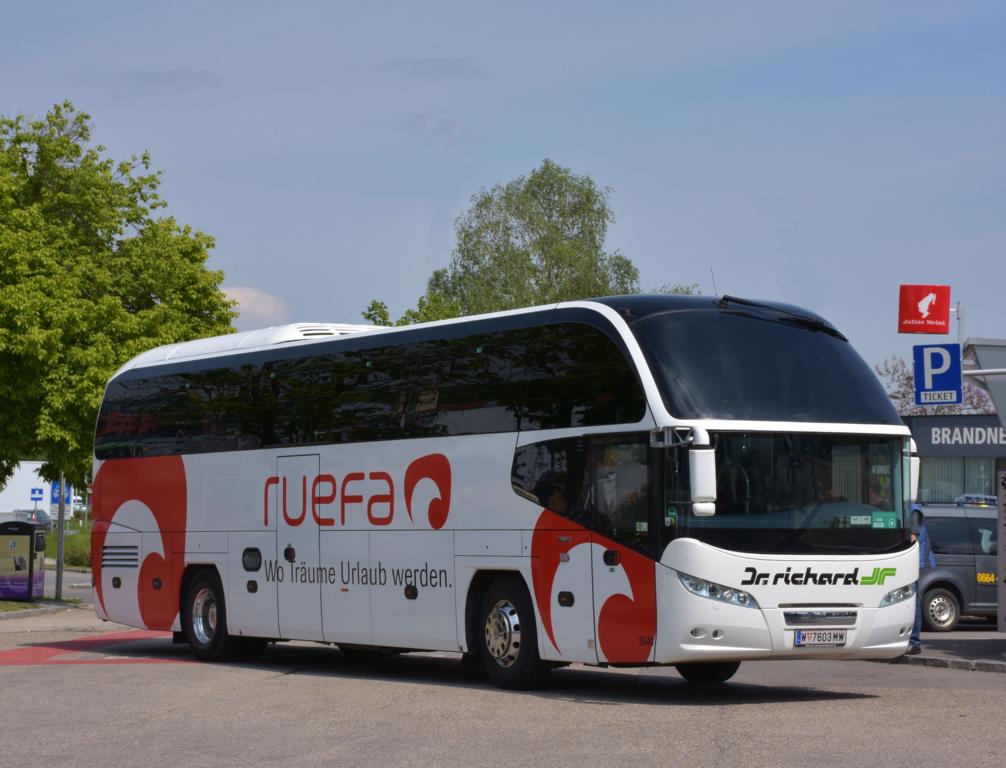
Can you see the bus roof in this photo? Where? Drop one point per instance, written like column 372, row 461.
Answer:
column 246, row 340
column 631, row 308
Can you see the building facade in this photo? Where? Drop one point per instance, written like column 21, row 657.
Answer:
column 960, row 456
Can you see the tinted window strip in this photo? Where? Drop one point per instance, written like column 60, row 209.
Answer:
column 429, row 383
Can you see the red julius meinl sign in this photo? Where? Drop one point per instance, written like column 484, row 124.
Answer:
column 924, row 309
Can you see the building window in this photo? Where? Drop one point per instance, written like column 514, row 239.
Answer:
column 943, row 478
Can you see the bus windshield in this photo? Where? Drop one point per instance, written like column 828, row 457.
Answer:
column 758, row 364
column 787, row 493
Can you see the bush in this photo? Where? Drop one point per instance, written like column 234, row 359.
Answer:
column 76, row 548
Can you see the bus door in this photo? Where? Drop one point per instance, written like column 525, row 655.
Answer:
column 297, row 544
column 617, row 495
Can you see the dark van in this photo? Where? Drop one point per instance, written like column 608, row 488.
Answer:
column 964, row 579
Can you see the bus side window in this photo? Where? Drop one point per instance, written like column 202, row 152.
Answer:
column 600, row 482
column 677, row 499
column 616, row 489
column 549, row 473
column 580, row 378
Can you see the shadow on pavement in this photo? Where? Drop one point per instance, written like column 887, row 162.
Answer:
column 579, row 684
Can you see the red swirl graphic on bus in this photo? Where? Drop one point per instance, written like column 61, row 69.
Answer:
column 626, row 625
column 158, row 483
column 548, row 546
column 437, row 468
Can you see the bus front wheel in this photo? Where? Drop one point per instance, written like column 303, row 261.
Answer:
column 508, row 636
column 707, row 672
column 204, row 619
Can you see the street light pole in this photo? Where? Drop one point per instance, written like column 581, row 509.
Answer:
column 59, row 536
column 957, row 313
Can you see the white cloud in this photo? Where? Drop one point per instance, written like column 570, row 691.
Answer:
column 257, row 309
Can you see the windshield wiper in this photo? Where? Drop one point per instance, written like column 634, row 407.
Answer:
column 787, row 317
column 834, row 547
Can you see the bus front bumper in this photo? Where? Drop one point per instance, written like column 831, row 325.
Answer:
column 693, row 628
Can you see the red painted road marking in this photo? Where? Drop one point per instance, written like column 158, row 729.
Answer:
column 52, row 653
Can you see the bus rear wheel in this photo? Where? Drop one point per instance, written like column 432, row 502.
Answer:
column 708, row 672
column 508, row 636
column 204, row 619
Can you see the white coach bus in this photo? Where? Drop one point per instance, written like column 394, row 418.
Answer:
column 638, row 480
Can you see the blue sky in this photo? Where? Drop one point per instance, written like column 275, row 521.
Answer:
column 814, row 153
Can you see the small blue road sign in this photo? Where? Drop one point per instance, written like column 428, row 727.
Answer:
column 937, row 370
column 37, row 494
column 54, row 499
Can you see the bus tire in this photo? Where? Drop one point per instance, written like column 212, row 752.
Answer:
column 707, row 672
column 471, row 664
column 508, row 636
column 204, row 619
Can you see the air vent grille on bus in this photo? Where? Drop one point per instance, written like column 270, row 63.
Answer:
column 307, row 331
column 300, row 331
column 120, row 556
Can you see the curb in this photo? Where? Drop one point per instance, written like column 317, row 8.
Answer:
column 969, row 665
column 39, row 611
column 50, row 565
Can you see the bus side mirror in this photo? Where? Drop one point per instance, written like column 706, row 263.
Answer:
column 913, row 469
column 702, row 474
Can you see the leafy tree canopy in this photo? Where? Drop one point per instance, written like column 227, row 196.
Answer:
column 538, row 239
column 88, row 278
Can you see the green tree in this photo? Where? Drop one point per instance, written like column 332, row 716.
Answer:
column 678, row 289
column 535, row 240
column 89, row 277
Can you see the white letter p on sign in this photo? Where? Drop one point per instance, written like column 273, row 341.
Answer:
column 931, row 367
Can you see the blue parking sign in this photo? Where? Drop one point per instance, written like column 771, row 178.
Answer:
column 937, row 371
column 54, row 498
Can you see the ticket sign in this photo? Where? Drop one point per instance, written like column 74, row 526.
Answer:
column 924, row 309
column 937, row 371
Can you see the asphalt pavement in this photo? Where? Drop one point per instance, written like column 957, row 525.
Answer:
column 84, row 692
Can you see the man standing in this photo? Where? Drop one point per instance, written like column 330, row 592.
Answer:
column 926, row 560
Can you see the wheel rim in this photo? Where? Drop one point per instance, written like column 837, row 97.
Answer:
column 204, row 616
column 941, row 611
column 503, row 633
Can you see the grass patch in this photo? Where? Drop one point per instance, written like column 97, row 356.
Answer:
column 76, row 547
column 6, row 606
column 54, row 601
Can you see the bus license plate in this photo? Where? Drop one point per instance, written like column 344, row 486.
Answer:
column 805, row 637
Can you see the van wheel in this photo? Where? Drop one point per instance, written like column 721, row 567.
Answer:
column 940, row 610
column 707, row 672
column 204, row 619
column 509, row 636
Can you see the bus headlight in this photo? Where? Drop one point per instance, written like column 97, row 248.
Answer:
column 713, row 591
column 898, row 595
